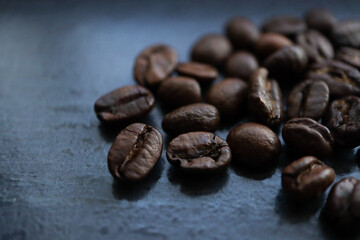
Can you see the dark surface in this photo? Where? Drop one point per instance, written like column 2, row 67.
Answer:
column 55, row 61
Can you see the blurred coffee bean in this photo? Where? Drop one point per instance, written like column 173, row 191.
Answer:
column 179, row 91
column 308, row 99
column 321, row 20
column 211, row 49
column 285, row 25
column 193, row 117
column 264, row 99
column 268, row 43
column 124, row 105
column 199, row 152
column 254, row 145
column 341, row 78
column 343, row 120
column 229, row 97
column 316, row 46
column 241, row 65
column 242, row 32
column 306, row 178
column 350, row 56
column 203, row 73
column 346, row 33
column 305, row 136
column 154, row 64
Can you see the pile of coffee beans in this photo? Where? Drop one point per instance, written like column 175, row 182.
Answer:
column 302, row 74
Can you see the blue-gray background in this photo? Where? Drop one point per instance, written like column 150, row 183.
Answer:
column 56, row 59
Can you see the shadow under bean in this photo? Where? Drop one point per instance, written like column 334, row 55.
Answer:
column 255, row 174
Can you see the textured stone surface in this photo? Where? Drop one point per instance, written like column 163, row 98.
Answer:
column 55, row 61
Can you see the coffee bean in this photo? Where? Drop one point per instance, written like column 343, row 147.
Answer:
column 341, row 78
column 154, row 64
column 347, row 33
column 306, row 178
column 308, row 137
column 343, row 203
column 254, row 145
column 229, row 96
column 241, row 65
column 308, row 99
column 199, row 152
column 203, row 73
column 321, row 20
column 211, row 49
column 343, row 120
column 288, row 61
column 124, row 105
column 268, row 43
column 179, row 91
column 350, row 56
column 134, row 152
column 285, row 25
column 265, row 100
column 242, row 32
column 316, row 46
column 193, row 117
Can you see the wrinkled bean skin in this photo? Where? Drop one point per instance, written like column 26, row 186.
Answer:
column 265, row 100
column 134, row 152
column 306, row 178
column 321, row 20
column 346, row 33
column 154, row 64
column 342, row 79
column 229, row 97
column 242, row 32
column 349, row 56
column 343, row 203
column 308, row 137
column 199, row 152
column 285, row 25
column 254, row 145
column 203, row 73
column 317, row 47
column 193, row 117
column 308, row 99
column 343, row 120
column 269, row 43
column 241, row 65
column 124, row 105
column 179, row 91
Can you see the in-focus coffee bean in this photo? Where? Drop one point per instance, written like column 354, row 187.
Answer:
column 242, row 32
column 346, row 33
column 203, row 73
column 124, row 105
column 268, row 43
column 321, row 20
column 285, row 25
column 154, row 64
column 306, row 178
column 349, row 55
column 254, row 145
column 193, row 117
column 305, row 136
column 264, row 99
column 134, row 152
column 241, row 65
column 199, row 152
column 308, row 99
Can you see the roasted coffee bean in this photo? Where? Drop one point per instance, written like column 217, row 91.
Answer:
column 308, row 99
column 287, row 61
column 199, row 152
column 254, row 145
column 343, row 120
column 316, row 46
column 341, row 78
column 285, row 25
column 306, row 178
column 211, row 49
column 229, row 97
column 242, row 32
column 124, row 105
column 321, row 20
column 347, row 33
column 203, row 73
column 179, row 91
column 350, row 56
column 134, row 152
column 154, row 64
column 343, row 203
column 308, row 137
column 241, row 65
column 264, row 99
column 268, row 43
column 193, row 117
